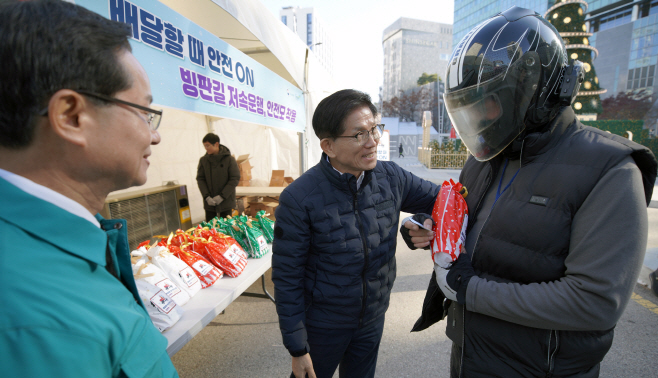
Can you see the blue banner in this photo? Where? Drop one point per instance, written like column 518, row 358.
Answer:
column 192, row 69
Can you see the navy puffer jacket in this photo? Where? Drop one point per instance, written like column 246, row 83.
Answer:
column 333, row 263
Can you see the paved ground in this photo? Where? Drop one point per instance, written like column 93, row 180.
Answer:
column 245, row 342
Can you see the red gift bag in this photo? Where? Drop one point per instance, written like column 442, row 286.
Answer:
column 218, row 252
column 208, row 273
column 450, row 215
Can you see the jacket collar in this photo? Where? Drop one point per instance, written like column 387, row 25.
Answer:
column 538, row 143
column 345, row 182
column 45, row 221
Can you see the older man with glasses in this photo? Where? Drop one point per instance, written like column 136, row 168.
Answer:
column 75, row 125
column 334, row 242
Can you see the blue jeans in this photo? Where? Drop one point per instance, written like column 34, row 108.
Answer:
column 353, row 351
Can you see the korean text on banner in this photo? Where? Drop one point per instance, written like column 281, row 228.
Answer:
column 194, row 70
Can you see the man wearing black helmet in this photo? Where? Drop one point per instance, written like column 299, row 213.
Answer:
column 557, row 221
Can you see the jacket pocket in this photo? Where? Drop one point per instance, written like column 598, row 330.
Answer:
column 146, row 357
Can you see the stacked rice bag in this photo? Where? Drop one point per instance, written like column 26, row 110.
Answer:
column 179, row 272
column 162, row 309
column 265, row 224
column 179, row 245
column 218, row 251
column 153, row 275
column 253, row 241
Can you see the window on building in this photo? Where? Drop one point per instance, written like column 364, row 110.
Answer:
column 641, row 77
column 309, row 30
column 610, row 21
column 649, row 9
column 284, row 19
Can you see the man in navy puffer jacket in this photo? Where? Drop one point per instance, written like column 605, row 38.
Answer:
column 333, row 263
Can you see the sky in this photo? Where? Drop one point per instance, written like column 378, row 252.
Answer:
column 357, row 27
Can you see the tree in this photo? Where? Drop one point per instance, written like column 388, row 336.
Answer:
column 425, row 79
column 408, row 106
column 626, row 106
column 569, row 19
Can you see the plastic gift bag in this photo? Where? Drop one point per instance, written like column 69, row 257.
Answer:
column 179, row 272
column 450, row 215
column 233, row 245
column 266, row 225
column 162, row 310
column 144, row 270
column 218, row 252
column 257, row 245
column 231, row 228
column 208, row 273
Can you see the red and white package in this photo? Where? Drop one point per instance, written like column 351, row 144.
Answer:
column 179, row 272
column 221, row 255
column 450, row 215
column 233, row 245
column 208, row 273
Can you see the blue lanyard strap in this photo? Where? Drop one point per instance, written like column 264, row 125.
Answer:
column 500, row 183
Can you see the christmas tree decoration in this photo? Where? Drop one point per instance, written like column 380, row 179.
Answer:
column 568, row 17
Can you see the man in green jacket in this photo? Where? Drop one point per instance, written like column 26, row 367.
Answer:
column 75, row 124
column 217, row 176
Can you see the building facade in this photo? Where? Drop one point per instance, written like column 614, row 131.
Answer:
column 626, row 37
column 624, row 34
column 411, row 48
column 469, row 13
column 311, row 30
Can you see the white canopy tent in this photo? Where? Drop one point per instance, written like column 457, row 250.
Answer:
column 248, row 26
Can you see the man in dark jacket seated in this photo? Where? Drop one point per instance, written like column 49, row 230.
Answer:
column 557, row 225
column 333, row 263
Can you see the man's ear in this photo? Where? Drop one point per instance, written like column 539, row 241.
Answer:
column 327, row 145
column 69, row 116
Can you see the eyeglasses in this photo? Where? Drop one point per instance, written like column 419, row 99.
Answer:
column 153, row 117
column 363, row 136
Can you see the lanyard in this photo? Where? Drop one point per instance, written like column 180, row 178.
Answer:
column 500, row 183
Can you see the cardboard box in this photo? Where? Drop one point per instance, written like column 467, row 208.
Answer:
column 269, row 208
column 268, row 199
column 244, row 183
column 245, row 168
column 287, row 181
column 277, row 178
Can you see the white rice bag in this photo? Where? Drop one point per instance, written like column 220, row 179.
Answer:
column 179, row 272
column 144, row 270
column 162, row 310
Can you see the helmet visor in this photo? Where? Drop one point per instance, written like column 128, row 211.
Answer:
column 488, row 116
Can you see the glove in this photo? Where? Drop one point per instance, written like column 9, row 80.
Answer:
column 218, row 199
column 420, row 218
column 210, row 201
column 453, row 281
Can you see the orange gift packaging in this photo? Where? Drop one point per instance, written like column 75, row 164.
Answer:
column 450, row 215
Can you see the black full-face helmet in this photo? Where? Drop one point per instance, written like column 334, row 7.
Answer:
column 503, row 77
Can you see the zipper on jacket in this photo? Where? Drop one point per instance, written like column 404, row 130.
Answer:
column 365, row 254
column 482, row 198
column 477, row 207
column 461, row 358
column 551, row 354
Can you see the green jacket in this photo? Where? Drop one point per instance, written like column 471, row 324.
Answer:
column 62, row 314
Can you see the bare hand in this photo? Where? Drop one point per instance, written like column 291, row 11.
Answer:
column 421, row 238
column 302, row 366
